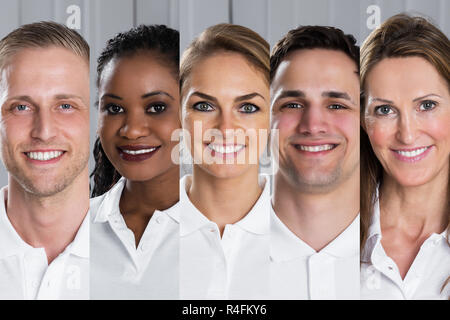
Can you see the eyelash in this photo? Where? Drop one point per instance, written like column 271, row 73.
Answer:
column 378, row 108
column 110, row 111
column 207, row 107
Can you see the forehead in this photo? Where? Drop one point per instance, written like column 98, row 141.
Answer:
column 137, row 70
column 316, row 68
column 43, row 69
column 404, row 77
column 226, row 72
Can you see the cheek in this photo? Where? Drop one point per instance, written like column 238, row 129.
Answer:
column 286, row 124
column 380, row 131
column 438, row 128
column 348, row 125
column 15, row 130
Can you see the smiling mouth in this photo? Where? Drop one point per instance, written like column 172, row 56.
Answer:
column 44, row 155
column 315, row 148
column 226, row 149
column 137, row 153
column 412, row 153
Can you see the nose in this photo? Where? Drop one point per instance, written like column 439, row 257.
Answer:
column 44, row 125
column 406, row 129
column 313, row 121
column 226, row 123
column 135, row 126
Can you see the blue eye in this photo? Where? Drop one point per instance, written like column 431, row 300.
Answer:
column 427, row 105
column 156, row 108
column 22, row 107
column 114, row 108
column 248, row 108
column 383, row 110
column 203, row 106
column 65, row 106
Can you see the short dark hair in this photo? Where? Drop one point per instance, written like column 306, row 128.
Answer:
column 313, row 37
column 163, row 41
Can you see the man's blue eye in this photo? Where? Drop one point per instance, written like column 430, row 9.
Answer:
column 66, row 106
column 22, row 107
column 203, row 106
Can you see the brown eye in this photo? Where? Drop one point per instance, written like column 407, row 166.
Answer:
column 157, row 108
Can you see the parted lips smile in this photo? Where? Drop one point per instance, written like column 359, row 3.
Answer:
column 136, row 152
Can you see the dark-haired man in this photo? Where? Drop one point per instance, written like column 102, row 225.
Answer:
column 44, row 135
column 315, row 224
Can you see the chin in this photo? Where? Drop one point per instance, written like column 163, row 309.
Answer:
column 225, row 171
column 413, row 179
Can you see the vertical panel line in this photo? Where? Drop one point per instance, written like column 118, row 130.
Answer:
column 230, row 11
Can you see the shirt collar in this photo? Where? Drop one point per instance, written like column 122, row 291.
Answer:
column 256, row 221
column 373, row 233
column 109, row 204
column 80, row 245
column 13, row 244
column 285, row 245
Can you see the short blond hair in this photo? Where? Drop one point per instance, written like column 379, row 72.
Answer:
column 42, row 35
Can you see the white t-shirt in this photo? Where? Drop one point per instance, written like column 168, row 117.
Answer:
column 235, row 266
column 380, row 277
column 299, row 272
column 119, row 270
column 24, row 270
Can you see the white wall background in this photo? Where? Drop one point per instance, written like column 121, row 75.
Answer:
column 102, row 19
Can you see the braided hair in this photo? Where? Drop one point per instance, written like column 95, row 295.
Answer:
column 158, row 39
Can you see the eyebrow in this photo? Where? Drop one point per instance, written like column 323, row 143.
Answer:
column 155, row 93
column 291, row 94
column 426, row 96
column 326, row 94
column 237, row 99
column 59, row 96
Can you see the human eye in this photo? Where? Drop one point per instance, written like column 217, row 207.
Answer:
column 336, row 106
column 112, row 109
column 203, row 106
column 21, row 108
column 248, row 108
column 291, row 106
column 427, row 105
column 384, row 110
column 65, row 106
column 156, row 108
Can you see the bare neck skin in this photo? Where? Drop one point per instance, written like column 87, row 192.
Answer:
column 140, row 199
column 224, row 200
column 51, row 222
column 409, row 215
column 317, row 218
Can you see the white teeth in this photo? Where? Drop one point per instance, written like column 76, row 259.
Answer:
column 226, row 149
column 411, row 154
column 319, row 148
column 134, row 152
column 44, row 156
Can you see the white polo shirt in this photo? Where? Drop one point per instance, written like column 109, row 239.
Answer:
column 235, row 266
column 380, row 277
column 24, row 270
column 119, row 270
column 299, row 272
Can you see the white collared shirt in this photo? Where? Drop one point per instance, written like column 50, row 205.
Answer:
column 119, row 270
column 299, row 272
column 380, row 277
column 235, row 266
column 24, row 270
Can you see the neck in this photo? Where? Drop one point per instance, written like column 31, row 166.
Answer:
column 142, row 198
column 316, row 218
column 417, row 209
column 50, row 222
column 224, row 200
